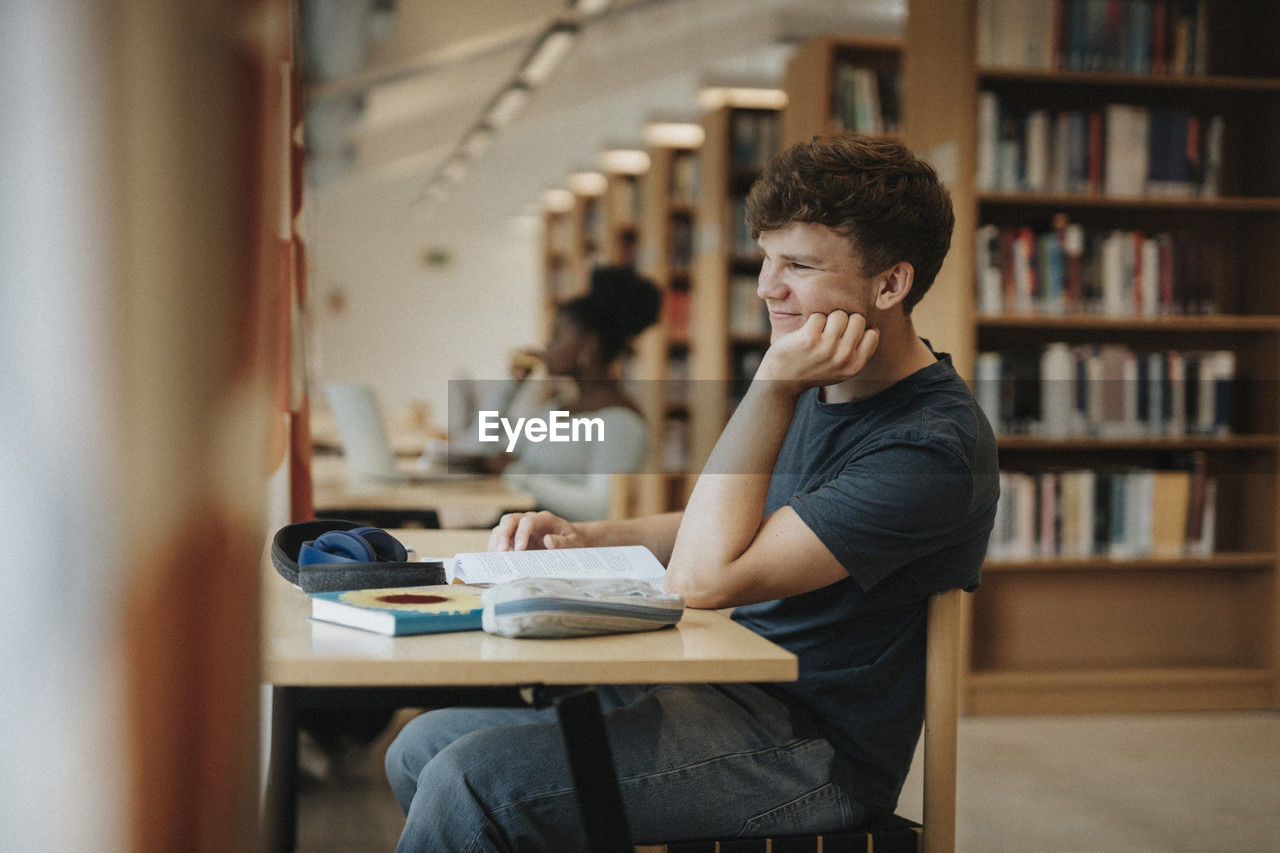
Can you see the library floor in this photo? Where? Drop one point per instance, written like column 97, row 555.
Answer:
column 1131, row 783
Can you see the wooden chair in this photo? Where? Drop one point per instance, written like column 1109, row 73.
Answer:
column 938, row 833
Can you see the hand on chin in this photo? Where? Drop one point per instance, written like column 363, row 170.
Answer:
column 820, row 349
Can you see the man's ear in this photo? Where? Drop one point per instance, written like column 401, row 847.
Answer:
column 893, row 285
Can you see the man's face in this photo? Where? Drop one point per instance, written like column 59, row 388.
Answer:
column 808, row 268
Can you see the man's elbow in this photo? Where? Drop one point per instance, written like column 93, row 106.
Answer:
column 696, row 592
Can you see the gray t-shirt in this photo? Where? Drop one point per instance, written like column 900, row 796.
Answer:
column 901, row 487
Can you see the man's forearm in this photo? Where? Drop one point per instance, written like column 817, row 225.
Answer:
column 726, row 507
column 655, row 532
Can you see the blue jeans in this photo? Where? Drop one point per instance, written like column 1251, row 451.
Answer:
column 693, row 761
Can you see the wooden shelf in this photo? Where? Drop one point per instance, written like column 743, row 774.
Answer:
column 1231, row 561
column 1089, row 634
column 1221, row 204
column 1103, row 80
column 717, row 224
column 1179, row 443
column 662, row 214
column 1100, row 323
column 756, row 341
column 812, row 85
column 1107, row 690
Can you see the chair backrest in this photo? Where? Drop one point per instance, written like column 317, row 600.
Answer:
column 941, row 706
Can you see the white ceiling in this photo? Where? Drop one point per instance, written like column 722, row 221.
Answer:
column 428, row 82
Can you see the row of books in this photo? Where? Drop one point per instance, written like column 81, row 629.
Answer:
column 674, row 317
column 744, row 245
column 675, row 446
column 1065, row 269
column 625, row 199
column 683, row 187
column 756, row 135
column 1121, row 150
column 681, row 241
column 1116, row 513
column 744, row 363
column 748, row 315
column 1106, row 390
column 592, row 222
column 1127, row 36
column 676, row 386
column 865, row 100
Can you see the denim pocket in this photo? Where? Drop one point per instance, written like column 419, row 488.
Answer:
column 823, row 809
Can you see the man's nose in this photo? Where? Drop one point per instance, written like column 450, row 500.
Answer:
column 769, row 285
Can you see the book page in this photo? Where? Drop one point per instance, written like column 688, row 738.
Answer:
column 631, row 561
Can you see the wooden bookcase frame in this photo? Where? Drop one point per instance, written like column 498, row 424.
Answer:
column 603, row 228
column 715, row 264
column 556, row 265
column 1052, row 635
column 811, row 83
column 661, row 490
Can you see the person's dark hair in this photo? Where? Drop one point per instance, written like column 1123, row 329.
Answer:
column 619, row 306
column 888, row 204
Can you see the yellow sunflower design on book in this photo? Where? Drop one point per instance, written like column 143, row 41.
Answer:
column 400, row 611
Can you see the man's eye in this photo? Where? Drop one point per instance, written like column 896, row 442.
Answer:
column 801, row 266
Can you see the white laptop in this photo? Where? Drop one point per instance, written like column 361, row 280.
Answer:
column 364, row 437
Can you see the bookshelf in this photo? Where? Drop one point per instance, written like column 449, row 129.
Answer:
column 732, row 329
column 557, row 241
column 1084, row 633
column 586, row 231
column 666, row 257
column 836, row 83
column 622, row 216
column 622, row 224
column 579, row 230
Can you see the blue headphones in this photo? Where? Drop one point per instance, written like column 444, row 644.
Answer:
column 361, row 545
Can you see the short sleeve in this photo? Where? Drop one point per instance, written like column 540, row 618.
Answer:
column 890, row 507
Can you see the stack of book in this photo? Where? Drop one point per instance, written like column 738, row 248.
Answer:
column 681, row 242
column 1106, row 390
column 865, row 100
column 1125, row 36
column 1120, row 150
column 675, row 315
column 744, row 245
column 1065, row 269
column 683, row 188
column 1119, row 513
column 624, row 200
column 675, row 446
column 756, row 136
column 748, row 316
column 677, row 384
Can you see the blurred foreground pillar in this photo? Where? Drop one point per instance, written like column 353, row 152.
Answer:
column 140, row 176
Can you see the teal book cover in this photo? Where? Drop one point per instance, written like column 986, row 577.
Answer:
column 401, row 611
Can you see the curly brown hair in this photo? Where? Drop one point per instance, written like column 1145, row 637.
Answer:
column 876, row 194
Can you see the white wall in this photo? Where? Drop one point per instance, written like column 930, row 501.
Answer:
column 407, row 327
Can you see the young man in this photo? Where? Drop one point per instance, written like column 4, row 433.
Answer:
column 856, row 478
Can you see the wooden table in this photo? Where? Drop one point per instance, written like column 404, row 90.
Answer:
column 458, row 501
column 472, row 667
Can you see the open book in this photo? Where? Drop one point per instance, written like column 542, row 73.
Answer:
column 628, row 561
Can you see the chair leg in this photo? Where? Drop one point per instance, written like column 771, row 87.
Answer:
column 942, row 686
